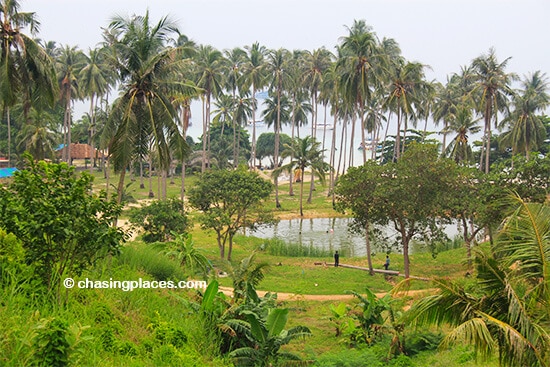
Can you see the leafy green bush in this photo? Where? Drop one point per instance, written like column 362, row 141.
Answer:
column 64, row 227
column 159, row 219
column 51, row 344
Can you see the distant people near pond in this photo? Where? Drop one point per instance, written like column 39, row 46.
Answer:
column 387, row 263
column 336, row 259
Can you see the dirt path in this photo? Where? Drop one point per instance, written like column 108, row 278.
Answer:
column 325, row 297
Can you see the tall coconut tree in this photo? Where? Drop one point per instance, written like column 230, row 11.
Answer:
column 304, row 153
column 526, row 128
column 146, row 66
column 492, row 86
column 27, row 74
column 314, row 65
column 69, row 64
column 255, row 77
column 297, row 92
column 95, row 80
column 183, row 97
column 235, row 84
column 464, row 125
column 406, row 87
column 277, row 61
column 209, row 66
column 358, row 60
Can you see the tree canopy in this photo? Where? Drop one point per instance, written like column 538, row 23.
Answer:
column 229, row 201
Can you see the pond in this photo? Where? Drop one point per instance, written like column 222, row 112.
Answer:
column 325, row 233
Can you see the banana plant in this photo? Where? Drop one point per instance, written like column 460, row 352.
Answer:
column 267, row 335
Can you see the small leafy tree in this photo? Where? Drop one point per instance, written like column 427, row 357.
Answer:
column 160, row 219
column 63, row 225
column 411, row 195
column 230, row 201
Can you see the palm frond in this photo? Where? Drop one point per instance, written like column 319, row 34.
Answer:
column 472, row 332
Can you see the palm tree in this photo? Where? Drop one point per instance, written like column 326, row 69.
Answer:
column 95, row 80
column 359, row 59
column 304, row 153
column 277, row 68
column 507, row 311
column 223, row 114
column 464, row 125
column 144, row 110
column 407, row 84
column 527, row 130
column 182, row 98
column 314, row 65
column 492, row 86
column 69, row 64
column 209, row 69
column 37, row 136
column 254, row 73
column 26, row 73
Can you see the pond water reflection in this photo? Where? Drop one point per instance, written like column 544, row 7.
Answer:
column 325, row 233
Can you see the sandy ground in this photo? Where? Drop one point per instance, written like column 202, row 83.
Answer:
column 327, row 297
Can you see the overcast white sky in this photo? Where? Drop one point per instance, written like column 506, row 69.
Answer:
column 444, row 34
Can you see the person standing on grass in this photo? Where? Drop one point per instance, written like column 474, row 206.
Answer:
column 387, row 263
column 336, row 259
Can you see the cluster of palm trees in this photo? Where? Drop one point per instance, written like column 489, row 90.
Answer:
column 367, row 84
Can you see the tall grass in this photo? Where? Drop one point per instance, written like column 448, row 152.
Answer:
column 278, row 247
column 151, row 260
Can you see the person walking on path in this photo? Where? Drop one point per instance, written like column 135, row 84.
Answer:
column 387, row 263
column 336, row 259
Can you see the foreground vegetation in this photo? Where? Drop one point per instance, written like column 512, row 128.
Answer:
column 271, row 304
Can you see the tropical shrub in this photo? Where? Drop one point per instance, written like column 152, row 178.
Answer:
column 160, row 219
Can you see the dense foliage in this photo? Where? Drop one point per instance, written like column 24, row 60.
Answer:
column 64, row 227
